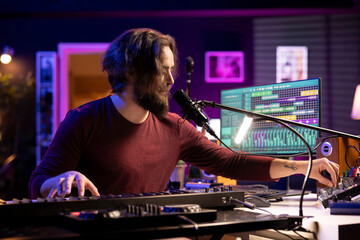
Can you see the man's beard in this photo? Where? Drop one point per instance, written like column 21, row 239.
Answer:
column 154, row 100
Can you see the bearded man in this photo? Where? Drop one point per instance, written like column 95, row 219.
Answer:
column 128, row 142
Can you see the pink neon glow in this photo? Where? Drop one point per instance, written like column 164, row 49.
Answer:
column 355, row 114
column 64, row 51
column 224, row 67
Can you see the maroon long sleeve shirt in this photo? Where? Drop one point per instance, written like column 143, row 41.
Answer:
column 122, row 157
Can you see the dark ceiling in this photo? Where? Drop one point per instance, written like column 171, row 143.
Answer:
column 8, row 7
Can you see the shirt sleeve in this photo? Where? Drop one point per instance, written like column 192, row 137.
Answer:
column 62, row 155
column 214, row 159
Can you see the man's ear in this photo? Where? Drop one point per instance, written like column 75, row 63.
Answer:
column 130, row 76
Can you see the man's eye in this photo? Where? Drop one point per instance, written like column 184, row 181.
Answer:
column 171, row 69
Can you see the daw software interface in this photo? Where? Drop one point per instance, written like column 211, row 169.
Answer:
column 297, row 101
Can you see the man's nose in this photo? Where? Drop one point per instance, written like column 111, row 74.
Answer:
column 169, row 78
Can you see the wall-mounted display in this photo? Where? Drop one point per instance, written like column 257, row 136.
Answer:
column 291, row 63
column 224, row 67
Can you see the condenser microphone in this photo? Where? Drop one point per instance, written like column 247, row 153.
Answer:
column 192, row 110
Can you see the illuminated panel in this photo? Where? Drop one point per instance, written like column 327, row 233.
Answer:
column 224, row 67
column 297, row 101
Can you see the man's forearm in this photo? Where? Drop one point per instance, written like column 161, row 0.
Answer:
column 283, row 168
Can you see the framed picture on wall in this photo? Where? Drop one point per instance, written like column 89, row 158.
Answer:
column 291, row 63
column 224, row 67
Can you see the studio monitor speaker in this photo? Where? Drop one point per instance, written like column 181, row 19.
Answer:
column 334, row 149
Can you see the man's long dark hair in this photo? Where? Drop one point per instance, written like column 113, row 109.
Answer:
column 137, row 51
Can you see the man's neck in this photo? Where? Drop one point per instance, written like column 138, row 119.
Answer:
column 127, row 106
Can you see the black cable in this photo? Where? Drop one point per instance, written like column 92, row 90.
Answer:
column 296, row 232
column 284, row 234
column 245, row 204
column 196, row 226
column 316, row 147
column 250, row 206
column 264, row 210
column 314, row 235
column 346, row 152
column 181, row 120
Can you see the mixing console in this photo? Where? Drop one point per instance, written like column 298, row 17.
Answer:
column 341, row 200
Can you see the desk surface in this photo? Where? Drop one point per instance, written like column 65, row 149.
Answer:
column 317, row 218
column 227, row 221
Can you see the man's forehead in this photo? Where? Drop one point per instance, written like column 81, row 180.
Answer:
column 167, row 56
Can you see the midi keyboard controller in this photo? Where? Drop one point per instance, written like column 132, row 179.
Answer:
column 28, row 208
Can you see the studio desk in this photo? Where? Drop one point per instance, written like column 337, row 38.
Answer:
column 318, row 222
column 152, row 215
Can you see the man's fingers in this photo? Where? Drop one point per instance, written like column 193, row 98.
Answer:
column 53, row 191
column 57, row 189
column 68, row 184
column 326, row 182
column 92, row 189
column 83, row 183
column 333, row 169
column 329, row 172
column 80, row 185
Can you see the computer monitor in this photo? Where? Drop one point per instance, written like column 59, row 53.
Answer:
column 296, row 100
column 214, row 125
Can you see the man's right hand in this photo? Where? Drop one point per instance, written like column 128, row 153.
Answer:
column 62, row 184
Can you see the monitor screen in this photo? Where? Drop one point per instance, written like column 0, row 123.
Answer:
column 296, row 100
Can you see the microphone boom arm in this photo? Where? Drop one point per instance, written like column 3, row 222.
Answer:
column 275, row 119
column 285, row 123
